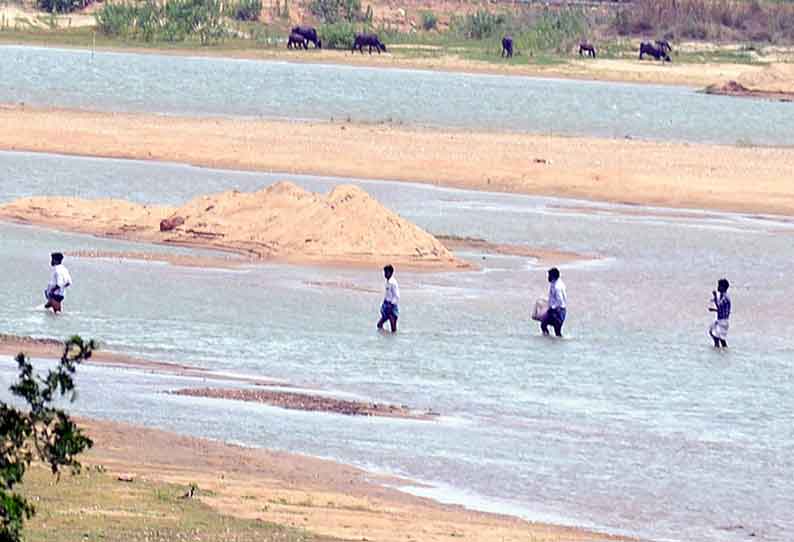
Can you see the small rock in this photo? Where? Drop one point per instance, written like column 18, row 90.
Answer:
column 125, row 478
column 168, row 224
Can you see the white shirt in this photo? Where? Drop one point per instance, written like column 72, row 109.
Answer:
column 59, row 280
column 558, row 299
column 392, row 291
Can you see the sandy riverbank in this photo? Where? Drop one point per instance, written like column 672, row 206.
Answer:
column 282, row 222
column 321, row 496
column 744, row 179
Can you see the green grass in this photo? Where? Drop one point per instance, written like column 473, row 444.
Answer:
column 94, row 506
column 430, row 45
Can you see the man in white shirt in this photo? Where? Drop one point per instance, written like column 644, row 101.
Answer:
column 389, row 309
column 59, row 282
column 558, row 302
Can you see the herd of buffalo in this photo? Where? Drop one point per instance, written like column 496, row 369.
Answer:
column 301, row 36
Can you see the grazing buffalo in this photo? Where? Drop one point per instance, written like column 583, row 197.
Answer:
column 367, row 40
column 658, row 53
column 297, row 41
column 664, row 45
column 309, row 33
column 507, row 47
column 587, row 47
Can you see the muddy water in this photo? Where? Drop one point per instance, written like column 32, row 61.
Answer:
column 632, row 423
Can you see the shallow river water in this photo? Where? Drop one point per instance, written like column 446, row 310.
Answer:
column 215, row 86
column 633, row 423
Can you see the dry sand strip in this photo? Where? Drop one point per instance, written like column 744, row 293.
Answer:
column 321, row 496
column 743, row 179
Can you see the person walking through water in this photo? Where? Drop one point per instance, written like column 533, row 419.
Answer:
column 59, row 282
column 389, row 309
column 722, row 306
column 558, row 301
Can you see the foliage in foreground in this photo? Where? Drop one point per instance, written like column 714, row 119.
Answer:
column 39, row 432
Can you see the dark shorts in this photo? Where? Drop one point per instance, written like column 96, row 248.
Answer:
column 555, row 317
column 389, row 310
column 53, row 297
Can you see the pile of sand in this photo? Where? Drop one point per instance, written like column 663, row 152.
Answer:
column 776, row 82
column 774, row 78
column 281, row 222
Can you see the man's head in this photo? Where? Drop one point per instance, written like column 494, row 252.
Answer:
column 554, row 274
column 56, row 258
column 388, row 271
column 723, row 285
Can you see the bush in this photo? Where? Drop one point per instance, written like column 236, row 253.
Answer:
column 429, row 20
column 247, row 10
column 39, row 431
column 61, row 6
column 480, row 25
column 338, row 35
column 335, row 11
column 172, row 20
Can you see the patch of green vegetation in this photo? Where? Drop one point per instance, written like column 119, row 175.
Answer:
column 94, row 506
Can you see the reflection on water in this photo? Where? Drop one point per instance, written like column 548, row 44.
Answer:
column 215, row 86
column 632, row 422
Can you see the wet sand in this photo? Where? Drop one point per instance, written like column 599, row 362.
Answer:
column 290, row 489
column 308, row 403
column 454, row 242
column 742, row 179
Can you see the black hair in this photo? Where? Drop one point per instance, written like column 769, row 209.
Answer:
column 56, row 257
column 723, row 284
column 554, row 273
column 389, row 270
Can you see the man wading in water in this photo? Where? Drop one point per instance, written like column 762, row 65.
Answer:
column 722, row 306
column 389, row 309
column 59, row 281
column 558, row 300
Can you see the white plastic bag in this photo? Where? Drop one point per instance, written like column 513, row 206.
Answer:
column 540, row 310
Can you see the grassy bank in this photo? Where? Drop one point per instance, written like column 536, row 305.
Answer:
column 267, row 43
column 95, row 505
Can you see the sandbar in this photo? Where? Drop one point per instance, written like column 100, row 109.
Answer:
column 663, row 174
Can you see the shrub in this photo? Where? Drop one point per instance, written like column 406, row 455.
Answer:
column 172, row 20
column 429, row 20
column 61, row 6
column 338, row 35
column 480, row 25
column 38, row 431
column 248, row 10
column 335, row 11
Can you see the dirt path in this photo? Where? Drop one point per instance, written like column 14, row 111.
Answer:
column 744, row 179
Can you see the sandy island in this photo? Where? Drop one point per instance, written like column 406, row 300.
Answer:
column 774, row 82
column 743, row 179
column 282, row 222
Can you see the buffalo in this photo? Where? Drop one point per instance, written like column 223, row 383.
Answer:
column 507, row 47
column 297, row 41
column 587, row 47
column 367, row 40
column 309, row 33
column 659, row 53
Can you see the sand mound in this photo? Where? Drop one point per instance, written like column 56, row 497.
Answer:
column 774, row 82
column 282, row 222
column 774, row 78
